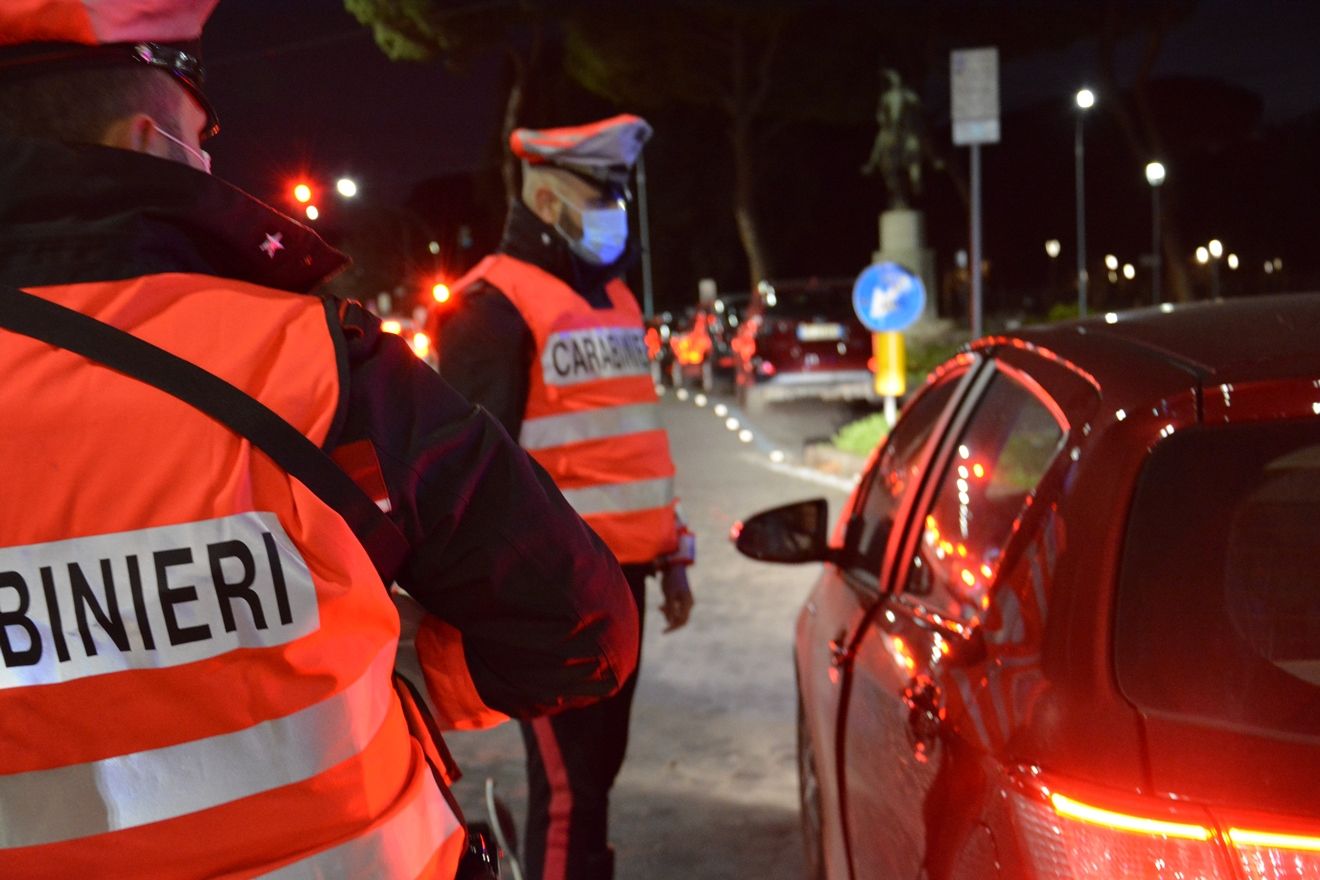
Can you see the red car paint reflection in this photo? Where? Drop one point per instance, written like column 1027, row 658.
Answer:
column 1068, row 624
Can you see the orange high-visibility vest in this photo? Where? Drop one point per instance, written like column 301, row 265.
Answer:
column 592, row 418
column 195, row 652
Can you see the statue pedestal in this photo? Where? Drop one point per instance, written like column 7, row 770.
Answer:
column 903, row 241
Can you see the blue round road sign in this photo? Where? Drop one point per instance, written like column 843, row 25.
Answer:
column 887, row 296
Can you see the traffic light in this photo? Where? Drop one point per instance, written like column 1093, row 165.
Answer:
column 440, row 292
column 302, row 192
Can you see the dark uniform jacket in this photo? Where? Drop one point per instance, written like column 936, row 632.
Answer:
column 546, row 617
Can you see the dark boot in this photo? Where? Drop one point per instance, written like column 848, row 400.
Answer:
column 600, row 865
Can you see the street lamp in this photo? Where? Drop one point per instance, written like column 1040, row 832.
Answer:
column 1155, row 177
column 1085, row 99
column 1052, row 248
column 347, row 187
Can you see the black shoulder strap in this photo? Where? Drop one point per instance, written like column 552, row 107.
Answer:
column 66, row 328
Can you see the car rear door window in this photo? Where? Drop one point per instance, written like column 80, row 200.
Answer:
column 1220, row 551
column 991, row 474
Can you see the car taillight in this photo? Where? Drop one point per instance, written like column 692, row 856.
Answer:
column 765, row 368
column 1067, row 837
column 1071, row 832
column 1265, row 855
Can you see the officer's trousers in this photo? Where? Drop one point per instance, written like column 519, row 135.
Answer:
column 572, row 760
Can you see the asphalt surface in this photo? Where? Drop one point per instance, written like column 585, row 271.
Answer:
column 709, row 787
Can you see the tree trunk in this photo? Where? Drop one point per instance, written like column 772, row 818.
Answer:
column 520, row 69
column 1141, row 131
column 744, row 203
column 751, row 62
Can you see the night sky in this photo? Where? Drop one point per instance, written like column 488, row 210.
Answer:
column 301, row 83
column 302, row 89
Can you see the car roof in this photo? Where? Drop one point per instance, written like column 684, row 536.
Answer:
column 1219, row 341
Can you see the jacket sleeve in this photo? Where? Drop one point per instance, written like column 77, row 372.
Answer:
column 520, row 608
column 485, row 351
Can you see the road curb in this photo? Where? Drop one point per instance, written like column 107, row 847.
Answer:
column 826, row 458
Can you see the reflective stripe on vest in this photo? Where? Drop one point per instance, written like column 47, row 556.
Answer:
column 622, row 497
column 47, row 806
column 592, row 424
column 592, row 418
column 401, row 846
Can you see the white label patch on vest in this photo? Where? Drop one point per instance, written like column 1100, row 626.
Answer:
column 150, row 599
column 590, row 354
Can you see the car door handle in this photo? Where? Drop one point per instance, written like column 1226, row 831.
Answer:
column 839, row 651
column 925, row 716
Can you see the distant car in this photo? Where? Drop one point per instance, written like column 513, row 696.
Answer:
column 802, row 339
column 699, row 349
column 1068, row 624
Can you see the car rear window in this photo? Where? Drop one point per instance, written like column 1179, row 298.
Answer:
column 1218, row 612
column 822, row 303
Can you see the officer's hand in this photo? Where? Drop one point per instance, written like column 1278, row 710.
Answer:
column 678, row 596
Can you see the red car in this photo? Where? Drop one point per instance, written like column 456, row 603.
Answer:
column 1068, row 625
column 802, row 339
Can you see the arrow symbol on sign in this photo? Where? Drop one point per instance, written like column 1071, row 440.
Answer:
column 885, row 300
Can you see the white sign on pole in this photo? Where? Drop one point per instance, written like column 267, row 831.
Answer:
column 974, row 77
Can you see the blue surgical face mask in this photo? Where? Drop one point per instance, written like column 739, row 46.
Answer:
column 203, row 158
column 604, row 230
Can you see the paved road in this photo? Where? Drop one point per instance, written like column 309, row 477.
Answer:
column 709, row 789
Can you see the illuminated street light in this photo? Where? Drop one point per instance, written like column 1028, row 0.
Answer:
column 1052, row 248
column 1269, row 267
column 1216, row 248
column 1111, row 262
column 1155, row 177
column 440, row 292
column 347, row 187
column 1129, row 271
column 1233, row 261
column 1085, row 99
column 313, row 212
column 1202, row 255
column 303, row 193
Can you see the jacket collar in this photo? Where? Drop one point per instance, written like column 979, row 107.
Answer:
column 528, row 238
column 72, row 213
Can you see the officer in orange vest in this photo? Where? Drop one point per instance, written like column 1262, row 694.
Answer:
column 198, row 648
column 551, row 341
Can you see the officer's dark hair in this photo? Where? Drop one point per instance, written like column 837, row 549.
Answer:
column 78, row 105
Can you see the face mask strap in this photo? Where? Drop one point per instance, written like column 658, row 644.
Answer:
column 201, row 155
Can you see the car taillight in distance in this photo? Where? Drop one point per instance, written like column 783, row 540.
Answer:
column 1069, row 830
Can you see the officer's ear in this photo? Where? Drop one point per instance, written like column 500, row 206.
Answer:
column 545, row 203
column 137, row 132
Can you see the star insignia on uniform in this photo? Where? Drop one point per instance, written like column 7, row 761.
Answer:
column 274, row 242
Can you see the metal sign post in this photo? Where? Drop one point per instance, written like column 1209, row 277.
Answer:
column 644, row 234
column 974, row 81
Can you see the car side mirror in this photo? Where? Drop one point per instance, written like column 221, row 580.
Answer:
column 792, row 533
